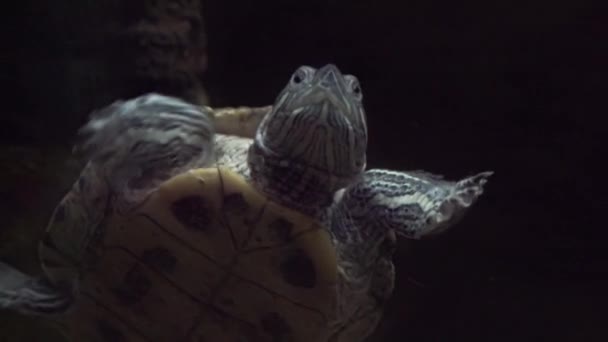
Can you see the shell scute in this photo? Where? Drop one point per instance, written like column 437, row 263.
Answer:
column 206, row 256
column 187, row 207
column 215, row 325
column 265, row 308
column 124, row 288
column 92, row 320
column 162, row 251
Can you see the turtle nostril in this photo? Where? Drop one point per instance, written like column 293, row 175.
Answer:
column 329, row 76
column 329, row 79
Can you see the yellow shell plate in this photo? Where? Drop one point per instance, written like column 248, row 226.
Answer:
column 206, row 257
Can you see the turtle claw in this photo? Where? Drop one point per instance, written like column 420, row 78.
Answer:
column 30, row 296
column 453, row 207
column 469, row 189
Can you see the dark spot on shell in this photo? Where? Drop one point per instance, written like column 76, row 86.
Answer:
column 193, row 212
column 108, row 332
column 134, row 287
column 298, row 269
column 59, row 213
column 282, row 229
column 159, row 258
column 235, row 204
column 275, row 326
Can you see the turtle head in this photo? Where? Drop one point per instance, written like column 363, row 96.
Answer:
column 314, row 139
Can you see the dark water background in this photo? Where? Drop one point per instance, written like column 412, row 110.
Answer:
column 451, row 87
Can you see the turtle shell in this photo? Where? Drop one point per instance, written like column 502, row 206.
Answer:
column 206, row 257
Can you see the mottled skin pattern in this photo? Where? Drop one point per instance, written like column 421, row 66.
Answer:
column 135, row 151
column 368, row 214
column 313, row 142
column 308, row 154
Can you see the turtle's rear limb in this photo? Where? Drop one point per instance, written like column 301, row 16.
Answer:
column 29, row 295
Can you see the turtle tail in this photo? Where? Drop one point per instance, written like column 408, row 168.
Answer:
column 33, row 296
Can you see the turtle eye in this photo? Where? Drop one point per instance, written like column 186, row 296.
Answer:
column 355, row 88
column 299, row 76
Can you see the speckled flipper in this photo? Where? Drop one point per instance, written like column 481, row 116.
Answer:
column 451, row 205
column 412, row 204
column 367, row 218
column 139, row 143
column 29, row 295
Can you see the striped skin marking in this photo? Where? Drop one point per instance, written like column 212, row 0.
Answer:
column 154, row 154
column 411, row 205
column 366, row 217
column 314, row 140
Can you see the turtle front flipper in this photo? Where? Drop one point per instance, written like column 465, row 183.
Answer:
column 137, row 144
column 30, row 295
column 412, row 204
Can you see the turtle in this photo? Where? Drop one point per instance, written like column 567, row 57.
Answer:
column 175, row 231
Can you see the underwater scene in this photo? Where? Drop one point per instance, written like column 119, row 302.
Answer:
column 305, row 171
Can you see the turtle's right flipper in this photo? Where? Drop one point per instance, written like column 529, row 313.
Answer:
column 29, row 295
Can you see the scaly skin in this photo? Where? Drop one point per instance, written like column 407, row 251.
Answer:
column 364, row 220
column 307, row 152
column 133, row 146
column 313, row 141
